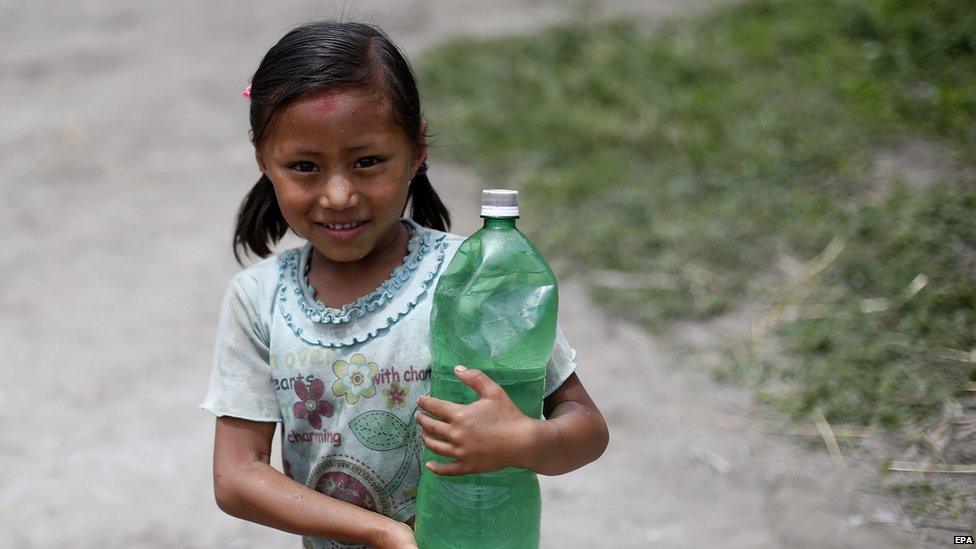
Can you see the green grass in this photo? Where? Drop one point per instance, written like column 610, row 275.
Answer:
column 699, row 155
column 923, row 499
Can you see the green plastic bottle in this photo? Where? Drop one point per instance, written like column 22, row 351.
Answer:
column 495, row 310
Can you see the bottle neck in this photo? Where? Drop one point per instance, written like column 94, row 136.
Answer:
column 500, row 222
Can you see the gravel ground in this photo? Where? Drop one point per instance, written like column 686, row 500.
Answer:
column 123, row 157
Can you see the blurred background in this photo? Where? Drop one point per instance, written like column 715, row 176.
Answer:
column 761, row 214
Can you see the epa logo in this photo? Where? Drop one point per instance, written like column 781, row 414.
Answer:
column 963, row 540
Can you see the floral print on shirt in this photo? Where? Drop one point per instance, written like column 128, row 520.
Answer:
column 310, row 405
column 355, row 378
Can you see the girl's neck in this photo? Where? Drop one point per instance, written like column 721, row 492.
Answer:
column 339, row 283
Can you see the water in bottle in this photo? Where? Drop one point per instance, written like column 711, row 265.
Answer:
column 494, row 310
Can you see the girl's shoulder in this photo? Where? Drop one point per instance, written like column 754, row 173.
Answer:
column 452, row 240
column 446, row 244
column 443, row 243
column 257, row 283
column 263, row 271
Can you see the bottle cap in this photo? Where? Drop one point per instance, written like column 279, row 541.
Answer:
column 499, row 203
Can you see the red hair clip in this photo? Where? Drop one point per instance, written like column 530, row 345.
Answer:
column 247, row 91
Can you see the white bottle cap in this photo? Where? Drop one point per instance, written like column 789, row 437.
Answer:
column 499, row 203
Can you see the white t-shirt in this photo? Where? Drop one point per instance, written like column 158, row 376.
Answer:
column 343, row 382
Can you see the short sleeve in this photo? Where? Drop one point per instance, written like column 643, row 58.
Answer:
column 241, row 384
column 562, row 363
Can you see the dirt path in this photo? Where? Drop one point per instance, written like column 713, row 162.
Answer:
column 123, row 158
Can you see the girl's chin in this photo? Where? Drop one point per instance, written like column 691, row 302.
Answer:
column 343, row 254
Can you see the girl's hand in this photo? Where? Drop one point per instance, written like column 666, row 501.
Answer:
column 396, row 535
column 486, row 435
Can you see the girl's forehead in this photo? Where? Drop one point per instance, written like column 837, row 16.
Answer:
column 326, row 103
column 349, row 110
column 361, row 115
column 332, row 101
column 335, row 102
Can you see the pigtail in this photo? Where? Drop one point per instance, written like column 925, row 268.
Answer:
column 426, row 207
column 260, row 224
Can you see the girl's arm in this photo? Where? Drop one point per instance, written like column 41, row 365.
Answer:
column 247, row 487
column 492, row 433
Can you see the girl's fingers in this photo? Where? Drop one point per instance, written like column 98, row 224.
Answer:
column 439, row 447
column 479, row 381
column 434, row 426
column 440, row 408
column 448, row 469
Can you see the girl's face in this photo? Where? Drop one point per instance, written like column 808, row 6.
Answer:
column 341, row 167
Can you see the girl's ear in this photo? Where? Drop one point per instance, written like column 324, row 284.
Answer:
column 420, row 151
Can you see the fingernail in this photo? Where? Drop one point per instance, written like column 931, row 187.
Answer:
column 459, row 368
column 429, row 465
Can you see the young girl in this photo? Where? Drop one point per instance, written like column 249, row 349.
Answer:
column 330, row 338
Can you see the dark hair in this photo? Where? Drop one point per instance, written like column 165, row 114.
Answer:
column 320, row 57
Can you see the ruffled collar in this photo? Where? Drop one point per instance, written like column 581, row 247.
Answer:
column 373, row 312
column 319, row 312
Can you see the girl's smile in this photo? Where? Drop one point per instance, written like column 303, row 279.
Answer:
column 342, row 231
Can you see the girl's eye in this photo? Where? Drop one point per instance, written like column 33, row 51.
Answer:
column 368, row 161
column 304, row 167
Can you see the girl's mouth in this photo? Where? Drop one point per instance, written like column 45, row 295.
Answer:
column 342, row 231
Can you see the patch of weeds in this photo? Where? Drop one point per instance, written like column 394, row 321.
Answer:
column 925, row 498
column 697, row 157
column 894, row 365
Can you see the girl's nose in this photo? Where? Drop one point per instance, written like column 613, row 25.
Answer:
column 338, row 194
